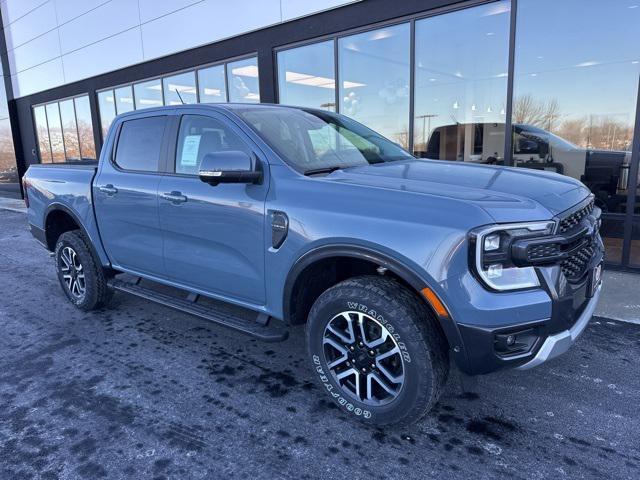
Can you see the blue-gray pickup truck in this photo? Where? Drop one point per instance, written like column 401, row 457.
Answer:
column 258, row 217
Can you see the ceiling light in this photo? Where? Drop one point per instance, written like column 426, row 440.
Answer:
column 346, row 84
column 252, row 96
column 246, row 71
column 215, row 92
column 310, row 80
column 587, row 64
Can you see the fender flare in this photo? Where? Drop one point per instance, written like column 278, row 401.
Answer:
column 409, row 275
column 56, row 206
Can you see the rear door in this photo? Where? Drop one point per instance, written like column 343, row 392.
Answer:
column 213, row 236
column 126, row 194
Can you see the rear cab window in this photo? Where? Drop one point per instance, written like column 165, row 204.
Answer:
column 140, row 144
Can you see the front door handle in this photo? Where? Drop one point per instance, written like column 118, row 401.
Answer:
column 109, row 189
column 174, row 197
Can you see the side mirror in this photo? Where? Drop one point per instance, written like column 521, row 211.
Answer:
column 229, row 167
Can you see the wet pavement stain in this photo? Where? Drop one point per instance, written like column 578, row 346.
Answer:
column 140, row 391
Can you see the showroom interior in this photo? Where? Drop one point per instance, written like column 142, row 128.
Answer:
column 518, row 83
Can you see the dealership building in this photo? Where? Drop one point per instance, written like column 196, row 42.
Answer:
column 539, row 84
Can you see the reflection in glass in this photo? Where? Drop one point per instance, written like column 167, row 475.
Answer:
column 42, row 131
column 85, row 128
column 124, row 99
column 574, row 99
column 184, row 84
column 243, row 81
column 461, row 84
column 107, row 107
column 69, row 130
column 148, row 94
column 55, row 133
column 634, row 259
column 211, row 85
column 306, row 76
column 374, row 80
column 8, row 171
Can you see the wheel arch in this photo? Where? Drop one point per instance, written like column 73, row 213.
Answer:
column 405, row 274
column 58, row 219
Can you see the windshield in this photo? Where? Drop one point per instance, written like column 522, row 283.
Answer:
column 313, row 140
column 538, row 134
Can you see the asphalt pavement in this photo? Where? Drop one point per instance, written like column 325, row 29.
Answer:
column 140, row 391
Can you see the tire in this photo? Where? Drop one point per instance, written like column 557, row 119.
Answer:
column 74, row 258
column 420, row 359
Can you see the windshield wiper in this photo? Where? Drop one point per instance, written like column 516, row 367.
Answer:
column 313, row 171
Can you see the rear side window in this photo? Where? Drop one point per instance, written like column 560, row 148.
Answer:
column 200, row 135
column 139, row 144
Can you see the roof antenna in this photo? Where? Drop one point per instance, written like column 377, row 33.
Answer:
column 179, row 96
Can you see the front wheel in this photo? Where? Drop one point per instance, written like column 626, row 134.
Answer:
column 81, row 277
column 377, row 350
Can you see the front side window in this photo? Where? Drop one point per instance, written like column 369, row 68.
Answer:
column 200, row 135
column 139, row 144
column 311, row 140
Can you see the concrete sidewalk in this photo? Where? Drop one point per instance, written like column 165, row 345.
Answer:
column 620, row 298
column 13, row 204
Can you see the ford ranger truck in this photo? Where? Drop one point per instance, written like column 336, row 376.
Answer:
column 257, row 217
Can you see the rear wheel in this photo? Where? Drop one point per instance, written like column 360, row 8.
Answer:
column 81, row 277
column 377, row 350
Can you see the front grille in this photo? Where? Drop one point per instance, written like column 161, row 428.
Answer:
column 574, row 219
column 541, row 251
column 575, row 266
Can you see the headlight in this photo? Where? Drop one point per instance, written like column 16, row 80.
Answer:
column 492, row 256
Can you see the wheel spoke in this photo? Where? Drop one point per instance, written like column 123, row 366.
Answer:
column 374, row 343
column 373, row 376
column 384, row 370
column 344, row 354
column 350, row 337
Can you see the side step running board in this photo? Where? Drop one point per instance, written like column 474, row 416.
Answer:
column 254, row 324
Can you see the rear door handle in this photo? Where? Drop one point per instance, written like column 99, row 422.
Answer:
column 174, row 197
column 109, row 189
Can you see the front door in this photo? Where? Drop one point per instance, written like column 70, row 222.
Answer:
column 126, row 196
column 213, row 236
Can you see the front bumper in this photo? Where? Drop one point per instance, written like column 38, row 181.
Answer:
column 559, row 343
column 552, row 316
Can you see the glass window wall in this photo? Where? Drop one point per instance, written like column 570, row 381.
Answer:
column 374, row 80
column 179, row 89
column 64, row 130
column 242, row 78
column 461, row 84
column 212, row 84
column 55, row 132
column 574, row 99
column 107, row 107
column 69, row 130
column 42, row 131
column 148, row 94
column 85, row 128
column 124, row 99
column 306, row 76
column 236, row 81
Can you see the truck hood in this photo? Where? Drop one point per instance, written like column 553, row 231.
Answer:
column 507, row 194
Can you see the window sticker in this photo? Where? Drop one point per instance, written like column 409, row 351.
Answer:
column 190, row 148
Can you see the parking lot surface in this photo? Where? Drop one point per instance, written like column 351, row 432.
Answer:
column 141, row 391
